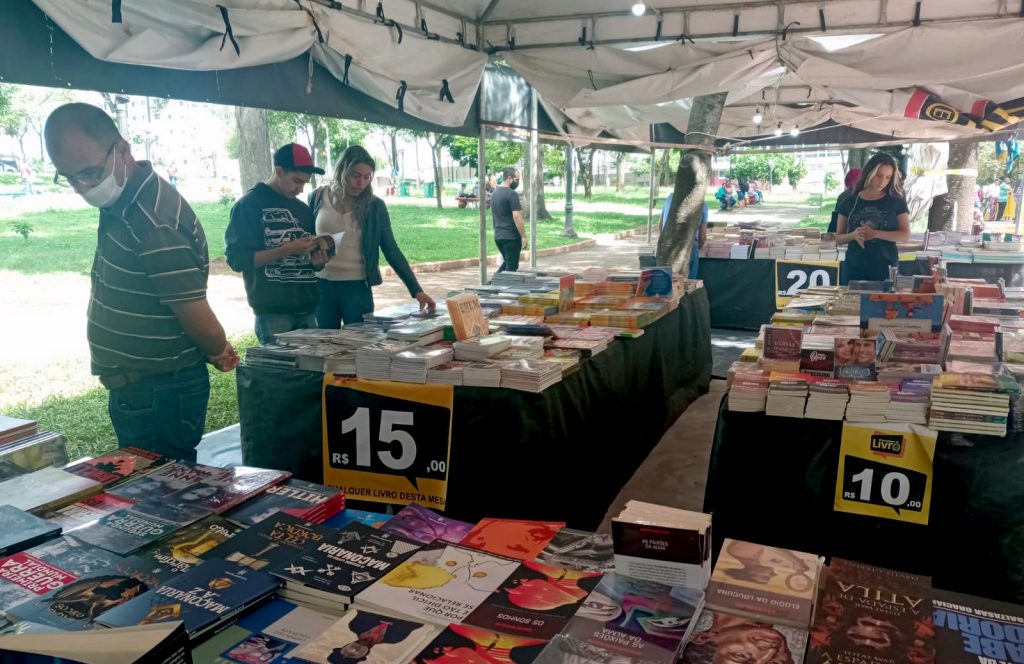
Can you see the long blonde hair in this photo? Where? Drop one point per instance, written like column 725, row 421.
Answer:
column 353, row 155
column 895, row 188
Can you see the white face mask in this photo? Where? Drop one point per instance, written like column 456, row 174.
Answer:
column 108, row 190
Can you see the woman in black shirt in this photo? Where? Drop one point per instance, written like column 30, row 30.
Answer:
column 873, row 220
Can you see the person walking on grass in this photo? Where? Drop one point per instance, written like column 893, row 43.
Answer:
column 507, row 218
column 150, row 326
column 271, row 241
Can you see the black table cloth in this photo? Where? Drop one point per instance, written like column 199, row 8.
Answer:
column 562, row 454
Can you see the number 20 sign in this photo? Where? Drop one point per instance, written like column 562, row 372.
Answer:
column 387, row 442
column 791, row 276
column 886, row 471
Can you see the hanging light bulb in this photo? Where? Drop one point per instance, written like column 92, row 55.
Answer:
column 778, row 130
column 794, row 132
column 757, row 116
column 639, row 9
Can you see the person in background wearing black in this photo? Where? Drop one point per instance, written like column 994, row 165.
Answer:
column 851, row 181
column 873, row 220
column 507, row 217
column 347, row 205
column 270, row 240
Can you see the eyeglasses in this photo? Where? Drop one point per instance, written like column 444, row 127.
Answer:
column 89, row 177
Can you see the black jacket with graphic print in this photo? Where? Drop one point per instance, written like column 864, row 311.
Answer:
column 264, row 219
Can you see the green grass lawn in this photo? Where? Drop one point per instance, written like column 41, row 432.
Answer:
column 819, row 219
column 64, row 240
column 85, row 424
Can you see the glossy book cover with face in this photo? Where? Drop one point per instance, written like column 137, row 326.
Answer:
column 537, row 600
column 720, row 637
column 774, row 584
column 626, row 617
column 872, row 615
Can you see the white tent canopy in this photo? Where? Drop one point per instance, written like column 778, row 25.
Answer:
column 911, row 70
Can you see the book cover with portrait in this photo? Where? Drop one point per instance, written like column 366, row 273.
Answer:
column 721, row 636
column 764, row 582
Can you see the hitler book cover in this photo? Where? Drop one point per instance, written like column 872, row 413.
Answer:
column 872, row 615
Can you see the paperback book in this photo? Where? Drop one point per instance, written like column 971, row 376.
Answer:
column 46, row 489
column 308, row 501
column 187, row 547
column 270, row 542
column 266, row 635
column 765, row 583
column 537, row 600
column 118, row 466
column 579, row 550
column 441, row 583
column 87, row 511
column 20, row 530
column 717, row 634
column 419, row 524
column 337, row 568
column 641, row 622
column 76, row 605
column 514, row 538
column 663, row 545
column 974, row 630
column 128, row 530
column 365, row 636
column 205, row 599
column 465, row 643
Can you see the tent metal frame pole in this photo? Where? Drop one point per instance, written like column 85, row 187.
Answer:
column 533, row 172
column 481, row 161
column 650, row 202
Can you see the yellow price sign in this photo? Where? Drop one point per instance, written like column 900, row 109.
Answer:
column 885, row 471
column 387, row 442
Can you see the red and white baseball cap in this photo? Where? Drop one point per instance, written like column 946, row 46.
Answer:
column 295, row 157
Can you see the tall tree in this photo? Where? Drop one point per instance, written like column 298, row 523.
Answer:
column 570, row 157
column 534, row 178
column 676, row 239
column 585, row 162
column 857, row 157
column 254, row 151
column 664, row 170
column 619, row 159
column 437, row 142
column 960, row 197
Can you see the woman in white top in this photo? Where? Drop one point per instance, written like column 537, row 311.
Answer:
column 347, row 204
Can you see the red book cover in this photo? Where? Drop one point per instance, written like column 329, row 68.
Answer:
column 782, row 342
column 515, row 538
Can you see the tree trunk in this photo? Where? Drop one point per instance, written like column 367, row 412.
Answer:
column 961, row 191
column 676, row 239
column 254, row 151
column 585, row 159
column 620, row 176
column 570, row 155
column 857, row 158
column 664, row 176
column 435, row 155
column 535, row 178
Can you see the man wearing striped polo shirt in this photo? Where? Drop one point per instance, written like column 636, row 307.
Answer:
column 150, row 327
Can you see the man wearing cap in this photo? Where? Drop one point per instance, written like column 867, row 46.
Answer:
column 150, row 327
column 270, row 240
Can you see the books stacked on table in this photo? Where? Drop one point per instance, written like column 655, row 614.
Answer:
column 522, row 348
column 34, row 452
column 306, row 337
column 971, row 403
column 664, row 544
column 530, row 375
column 787, row 396
column 475, row 349
column 423, row 331
column 14, row 428
column 20, row 530
column 827, row 400
column 481, row 374
column 411, row 365
column 46, row 489
column 374, row 361
column 568, row 360
column 748, row 393
column 358, row 335
column 447, row 373
column 869, row 402
column 273, row 355
column 910, row 402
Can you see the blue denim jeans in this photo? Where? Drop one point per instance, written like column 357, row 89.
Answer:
column 164, row 413
column 267, row 325
column 342, row 302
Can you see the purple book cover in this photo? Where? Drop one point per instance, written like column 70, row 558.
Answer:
column 422, row 525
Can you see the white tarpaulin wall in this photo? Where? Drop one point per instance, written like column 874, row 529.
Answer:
column 956, row 74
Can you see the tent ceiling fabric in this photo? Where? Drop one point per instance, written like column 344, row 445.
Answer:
column 920, row 70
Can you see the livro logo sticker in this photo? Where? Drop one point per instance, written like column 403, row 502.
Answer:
column 887, row 445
